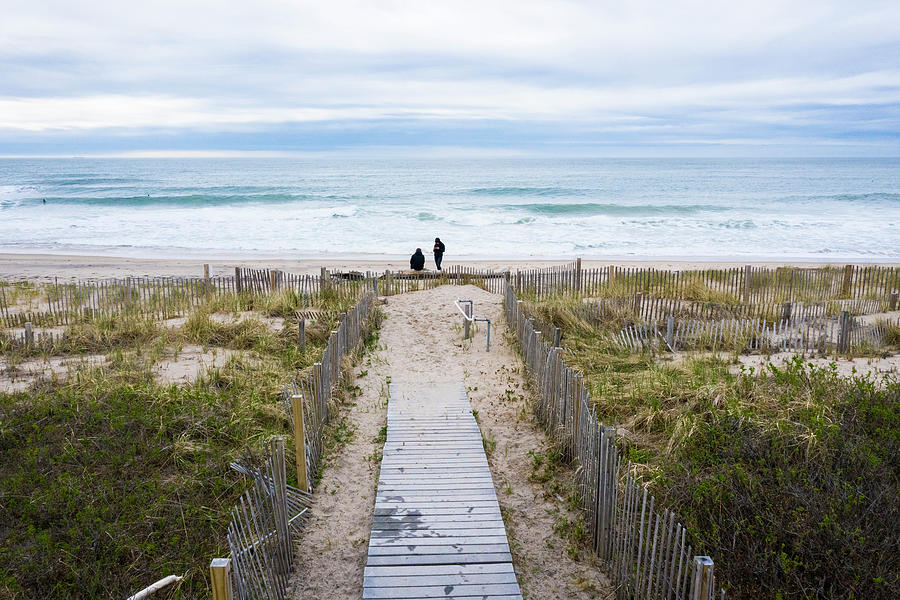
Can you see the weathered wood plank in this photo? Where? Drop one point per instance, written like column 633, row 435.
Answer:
column 455, row 559
column 442, row 591
column 425, row 549
column 423, row 570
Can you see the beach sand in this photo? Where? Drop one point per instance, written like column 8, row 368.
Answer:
column 46, row 267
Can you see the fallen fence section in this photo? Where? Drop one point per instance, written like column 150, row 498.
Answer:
column 823, row 334
column 259, row 536
column 648, row 551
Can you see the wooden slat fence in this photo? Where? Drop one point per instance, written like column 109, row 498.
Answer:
column 822, row 334
column 318, row 385
column 390, row 283
column 750, row 285
column 261, row 529
column 260, row 533
column 648, row 551
column 162, row 297
column 655, row 308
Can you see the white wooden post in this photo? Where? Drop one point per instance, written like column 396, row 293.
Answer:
column 301, row 334
column 670, row 332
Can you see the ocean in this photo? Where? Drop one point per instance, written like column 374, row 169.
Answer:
column 509, row 208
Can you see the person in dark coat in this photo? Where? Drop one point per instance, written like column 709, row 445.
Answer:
column 438, row 252
column 417, row 260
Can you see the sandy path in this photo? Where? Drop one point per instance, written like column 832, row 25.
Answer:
column 421, row 344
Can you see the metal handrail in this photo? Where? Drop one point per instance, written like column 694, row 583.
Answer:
column 474, row 319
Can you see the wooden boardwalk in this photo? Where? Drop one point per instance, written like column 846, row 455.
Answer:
column 437, row 530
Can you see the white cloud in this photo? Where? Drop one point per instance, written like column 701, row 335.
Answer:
column 355, row 99
column 651, row 64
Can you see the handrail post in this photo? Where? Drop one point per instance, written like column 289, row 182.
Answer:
column 467, row 322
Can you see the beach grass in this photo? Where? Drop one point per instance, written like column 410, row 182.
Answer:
column 112, row 480
column 787, row 478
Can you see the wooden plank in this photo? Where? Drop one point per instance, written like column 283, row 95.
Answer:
column 407, row 549
column 380, row 522
column 441, row 580
column 438, row 510
column 415, row 539
column 425, row 570
column 455, row 559
column 442, row 591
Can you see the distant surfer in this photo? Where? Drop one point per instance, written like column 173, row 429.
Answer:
column 44, row 201
column 417, row 260
column 438, row 252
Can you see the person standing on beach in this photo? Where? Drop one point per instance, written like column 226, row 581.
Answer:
column 417, row 260
column 438, row 252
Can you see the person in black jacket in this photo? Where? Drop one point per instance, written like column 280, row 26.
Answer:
column 438, row 252
column 417, row 260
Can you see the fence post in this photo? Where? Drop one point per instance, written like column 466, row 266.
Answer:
column 206, row 282
column 300, row 442
column 638, row 296
column 272, row 281
column 786, row 311
column 893, row 301
column 612, row 273
column 301, row 334
column 848, row 276
column 220, row 576
column 387, row 283
column 323, row 276
column 703, row 578
column 557, row 337
column 670, row 332
column 238, row 285
column 578, row 274
column 844, row 333
column 576, row 414
column 747, row 269
column 29, row 334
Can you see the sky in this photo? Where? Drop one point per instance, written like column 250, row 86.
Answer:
column 522, row 77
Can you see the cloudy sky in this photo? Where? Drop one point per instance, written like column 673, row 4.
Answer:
column 801, row 77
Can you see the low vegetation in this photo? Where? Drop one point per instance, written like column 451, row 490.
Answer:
column 110, row 480
column 789, row 478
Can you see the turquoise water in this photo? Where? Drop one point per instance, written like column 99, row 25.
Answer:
column 801, row 209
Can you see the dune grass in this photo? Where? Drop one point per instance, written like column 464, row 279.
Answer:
column 110, row 481
column 789, row 479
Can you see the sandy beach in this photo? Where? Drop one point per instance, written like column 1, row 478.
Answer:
column 46, row 267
